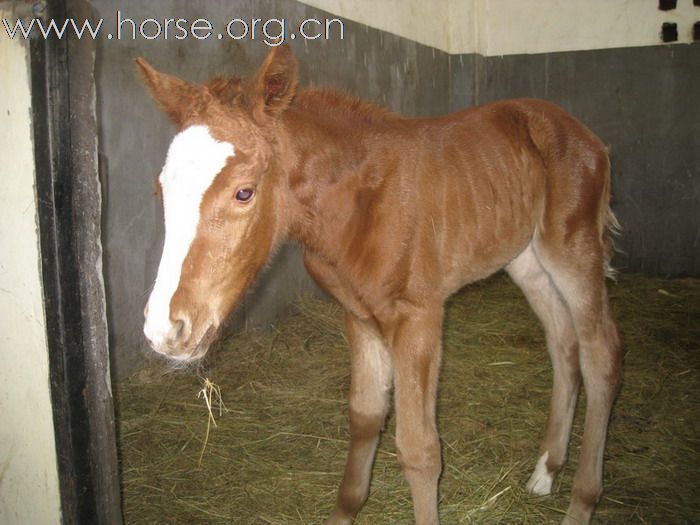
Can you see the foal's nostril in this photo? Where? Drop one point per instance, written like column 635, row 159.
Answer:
column 180, row 331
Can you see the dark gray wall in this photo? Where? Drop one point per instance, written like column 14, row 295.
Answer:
column 134, row 135
column 640, row 102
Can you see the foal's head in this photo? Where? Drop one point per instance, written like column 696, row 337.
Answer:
column 221, row 202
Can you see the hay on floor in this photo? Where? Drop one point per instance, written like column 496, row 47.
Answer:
column 277, row 455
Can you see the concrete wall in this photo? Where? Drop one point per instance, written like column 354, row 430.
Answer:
column 29, row 490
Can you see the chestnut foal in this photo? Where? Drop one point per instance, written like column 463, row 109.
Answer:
column 394, row 215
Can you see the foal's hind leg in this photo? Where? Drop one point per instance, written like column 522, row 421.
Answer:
column 369, row 401
column 577, row 270
column 527, row 272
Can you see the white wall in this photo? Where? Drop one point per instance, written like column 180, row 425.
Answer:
column 425, row 21
column 29, row 491
column 506, row 27
column 540, row 26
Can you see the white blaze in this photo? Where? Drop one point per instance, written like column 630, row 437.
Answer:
column 194, row 160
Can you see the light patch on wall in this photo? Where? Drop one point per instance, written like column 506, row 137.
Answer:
column 543, row 26
column 508, row 27
column 28, row 473
column 424, row 22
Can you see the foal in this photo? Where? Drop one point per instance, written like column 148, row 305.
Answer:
column 394, row 215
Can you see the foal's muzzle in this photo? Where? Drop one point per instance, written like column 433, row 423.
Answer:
column 172, row 337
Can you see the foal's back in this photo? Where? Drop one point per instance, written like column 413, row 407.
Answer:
column 474, row 187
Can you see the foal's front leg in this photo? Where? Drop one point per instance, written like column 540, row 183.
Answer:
column 417, row 351
column 369, row 402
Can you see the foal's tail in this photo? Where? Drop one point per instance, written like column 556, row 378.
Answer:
column 610, row 227
column 612, row 230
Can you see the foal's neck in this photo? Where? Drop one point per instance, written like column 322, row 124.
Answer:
column 328, row 138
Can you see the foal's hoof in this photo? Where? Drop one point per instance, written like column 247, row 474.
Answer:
column 572, row 521
column 581, row 519
column 540, row 483
column 580, row 509
column 339, row 518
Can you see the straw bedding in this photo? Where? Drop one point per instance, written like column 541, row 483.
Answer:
column 277, row 453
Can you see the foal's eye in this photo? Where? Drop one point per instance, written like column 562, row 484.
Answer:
column 245, row 194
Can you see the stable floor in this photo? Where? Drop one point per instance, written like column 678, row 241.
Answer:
column 277, row 451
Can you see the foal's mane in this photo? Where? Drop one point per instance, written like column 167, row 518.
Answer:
column 326, row 102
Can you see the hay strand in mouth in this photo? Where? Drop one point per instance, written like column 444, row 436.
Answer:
column 211, row 393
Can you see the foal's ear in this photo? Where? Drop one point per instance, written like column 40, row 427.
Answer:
column 276, row 82
column 173, row 95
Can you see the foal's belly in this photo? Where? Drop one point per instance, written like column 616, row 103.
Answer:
column 485, row 206
column 485, row 236
column 475, row 270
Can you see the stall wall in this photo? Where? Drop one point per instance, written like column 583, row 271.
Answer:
column 601, row 60
column 29, row 490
